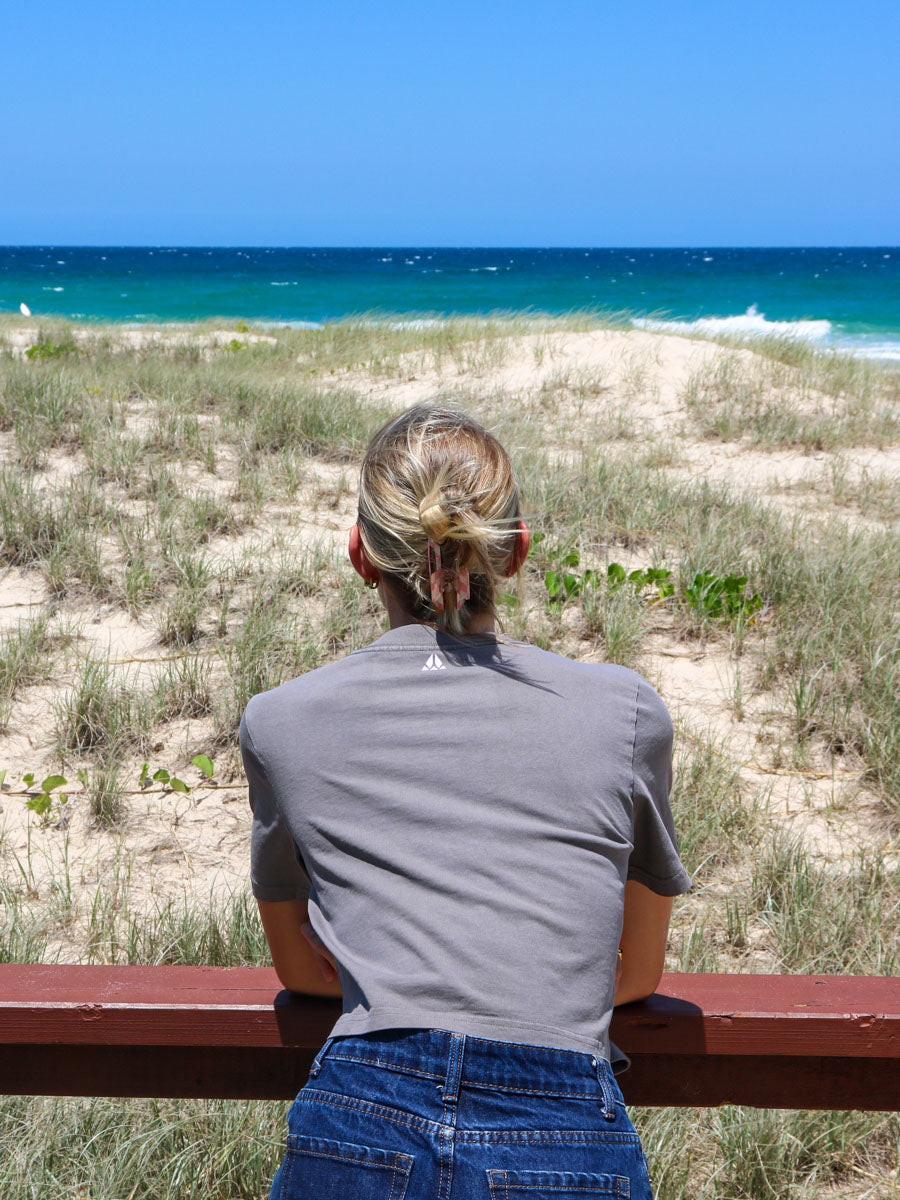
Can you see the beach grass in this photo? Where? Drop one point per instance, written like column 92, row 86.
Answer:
column 194, row 488
column 789, row 393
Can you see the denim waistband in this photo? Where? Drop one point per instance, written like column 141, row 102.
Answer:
column 457, row 1059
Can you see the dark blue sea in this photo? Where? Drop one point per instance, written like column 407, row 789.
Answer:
column 849, row 297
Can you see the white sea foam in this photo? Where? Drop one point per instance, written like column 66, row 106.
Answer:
column 752, row 323
column 874, row 347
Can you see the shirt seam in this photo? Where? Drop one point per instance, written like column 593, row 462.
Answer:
column 254, row 748
column 419, row 649
column 637, row 693
column 682, row 874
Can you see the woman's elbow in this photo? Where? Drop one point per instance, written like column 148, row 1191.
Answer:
column 307, row 984
column 631, row 987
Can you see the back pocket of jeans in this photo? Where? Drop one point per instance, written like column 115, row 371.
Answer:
column 323, row 1169
column 555, row 1185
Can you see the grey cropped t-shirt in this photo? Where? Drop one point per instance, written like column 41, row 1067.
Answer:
column 461, row 816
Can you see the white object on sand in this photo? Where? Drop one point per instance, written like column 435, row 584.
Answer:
column 24, row 310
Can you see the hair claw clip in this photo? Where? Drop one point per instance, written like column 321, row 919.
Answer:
column 445, row 579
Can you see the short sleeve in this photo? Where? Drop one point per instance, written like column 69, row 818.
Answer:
column 654, row 861
column 276, row 869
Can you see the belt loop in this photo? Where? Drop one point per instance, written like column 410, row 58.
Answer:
column 454, row 1068
column 317, row 1061
column 604, row 1070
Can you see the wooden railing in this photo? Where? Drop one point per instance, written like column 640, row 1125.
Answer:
column 769, row 1041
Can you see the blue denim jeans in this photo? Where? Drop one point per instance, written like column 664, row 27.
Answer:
column 426, row 1114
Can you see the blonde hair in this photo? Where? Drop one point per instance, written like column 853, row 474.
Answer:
column 433, row 473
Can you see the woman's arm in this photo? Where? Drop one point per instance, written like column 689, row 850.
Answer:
column 645, row 928
column 299, row 967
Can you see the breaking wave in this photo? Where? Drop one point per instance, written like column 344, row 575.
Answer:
column 752, row 323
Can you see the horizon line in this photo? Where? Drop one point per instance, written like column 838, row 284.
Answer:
column 433, row 246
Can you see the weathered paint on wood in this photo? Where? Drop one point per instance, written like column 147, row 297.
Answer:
column 768, row 1041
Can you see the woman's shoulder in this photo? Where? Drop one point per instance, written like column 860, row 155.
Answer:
column 294, row 694
column 591, row 671
column 611, row 680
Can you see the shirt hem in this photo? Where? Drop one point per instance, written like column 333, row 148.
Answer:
column 675, row 885
column 278, row 895
column 501, row 1029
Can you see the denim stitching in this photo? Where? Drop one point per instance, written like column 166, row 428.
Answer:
column 493, row 1087
column 424, row 1125
column 317, row 1061
column 286, row 1176
column 315, row 1096
column 609, row 1102
column 379, row 1062
column 456, row 1046
column 543, row 1187
column 351, row 1158
column 406, row 1169
column 549, row 1137
column 511, row 1087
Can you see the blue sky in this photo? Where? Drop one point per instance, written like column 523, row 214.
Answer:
column 577, row 123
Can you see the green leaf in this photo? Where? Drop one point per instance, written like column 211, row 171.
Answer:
column 204, row 765
column 552, row 583
column 52, row 782
column 28, row 778
column 161, row 775
column 178, row 785
column 3, row 783
column 144, row 777
column 39, row 804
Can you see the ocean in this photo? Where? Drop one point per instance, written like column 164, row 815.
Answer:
column 846, row 297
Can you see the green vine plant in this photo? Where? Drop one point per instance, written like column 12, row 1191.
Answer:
column 657, row 577
column 562, row 581
column 715, row 597
column 171, row 783
column 47, row 349
column 720, row 598
column 48, row 801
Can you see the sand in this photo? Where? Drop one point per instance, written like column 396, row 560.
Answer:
column 623, row 388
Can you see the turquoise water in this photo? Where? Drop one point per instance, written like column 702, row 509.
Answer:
column 836, row 296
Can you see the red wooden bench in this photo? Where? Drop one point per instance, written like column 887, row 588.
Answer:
column 771, row 1041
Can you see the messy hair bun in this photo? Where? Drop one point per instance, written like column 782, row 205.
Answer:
column 433, row 517
column 433, row 473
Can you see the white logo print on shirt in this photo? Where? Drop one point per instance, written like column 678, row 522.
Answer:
column 434, row 662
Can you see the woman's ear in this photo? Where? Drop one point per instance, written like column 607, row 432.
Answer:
column 521, row 548
column 360, row 559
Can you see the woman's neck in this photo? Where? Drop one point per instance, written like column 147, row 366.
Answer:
column 398, row 615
